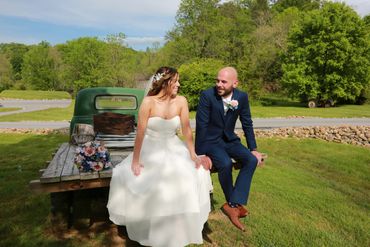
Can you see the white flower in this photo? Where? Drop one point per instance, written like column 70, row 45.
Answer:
column 233, row 104
column 158, row 76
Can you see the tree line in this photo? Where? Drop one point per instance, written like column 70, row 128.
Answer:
column 306, row 49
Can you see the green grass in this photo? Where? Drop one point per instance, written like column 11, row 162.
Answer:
column 342, row 111
column 309, row 193
column 34, row 94
column 52, row 114
column 24, row 215
column 347, row 111
column 9, row 109
column 272, row 106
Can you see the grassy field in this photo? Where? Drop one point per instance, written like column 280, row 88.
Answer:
column 271, row 106
column 342, row 111
column 34, row 94
column 309, row 193
column 9, row 109
column 52, row 114
column 347, row 111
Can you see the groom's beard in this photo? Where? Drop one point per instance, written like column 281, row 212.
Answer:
column 224, row 92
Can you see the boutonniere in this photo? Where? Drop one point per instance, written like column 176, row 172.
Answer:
column 233, row 104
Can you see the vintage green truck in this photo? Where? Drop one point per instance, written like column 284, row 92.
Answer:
column 61, row 178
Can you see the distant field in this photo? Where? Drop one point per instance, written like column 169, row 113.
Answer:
column 52, row 114
column 342, row 111
column 9, row 109
column 264, row 108
column 347, row 111
column 281, row 106
column 34, row 94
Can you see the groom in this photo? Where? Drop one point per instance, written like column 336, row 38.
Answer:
column 218, row 109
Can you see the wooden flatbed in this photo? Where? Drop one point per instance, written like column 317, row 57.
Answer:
column 62, row 174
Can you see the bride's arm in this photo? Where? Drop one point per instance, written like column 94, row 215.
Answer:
column 142, row 122
column 185, row 127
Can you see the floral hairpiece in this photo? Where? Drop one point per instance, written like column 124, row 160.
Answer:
column 158, row 76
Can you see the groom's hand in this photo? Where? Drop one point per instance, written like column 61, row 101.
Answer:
column 259, row 157
column 205, row 161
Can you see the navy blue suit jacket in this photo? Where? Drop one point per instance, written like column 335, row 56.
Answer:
column 213, row 126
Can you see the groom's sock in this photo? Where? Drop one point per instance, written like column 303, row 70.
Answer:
column 233, row 205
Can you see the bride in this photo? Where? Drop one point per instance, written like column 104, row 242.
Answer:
column 161, row 191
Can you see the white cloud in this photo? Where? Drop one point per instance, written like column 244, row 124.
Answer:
column 362, row 7
column 108, row 14
column 29, row 40
column 143, row 40
column 142, row 43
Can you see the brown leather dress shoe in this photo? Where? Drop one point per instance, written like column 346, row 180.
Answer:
column 243, row 212
column 233, row 214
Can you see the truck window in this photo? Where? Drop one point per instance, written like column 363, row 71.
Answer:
column 125, row 102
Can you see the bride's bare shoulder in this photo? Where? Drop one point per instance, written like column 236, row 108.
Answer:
column 148, row 99
column 181, row 99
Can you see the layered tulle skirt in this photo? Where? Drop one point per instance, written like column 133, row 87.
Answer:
column 168, row 203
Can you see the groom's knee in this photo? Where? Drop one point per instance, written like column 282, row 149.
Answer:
column 254, row 161
column 224, row 164
column 250, row 162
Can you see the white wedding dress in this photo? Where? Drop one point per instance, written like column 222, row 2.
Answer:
column 168, row 203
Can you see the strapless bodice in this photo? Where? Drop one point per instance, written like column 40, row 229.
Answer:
column 160, row 127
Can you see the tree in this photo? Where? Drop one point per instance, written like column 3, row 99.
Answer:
column 122, row 62
column 196, row 77
column 304, row 5
column 262, row 63
column 5, row 73
column 195, row 25
column 85, row 63
column 327, row 55
column 41, row 67
column 15, row 52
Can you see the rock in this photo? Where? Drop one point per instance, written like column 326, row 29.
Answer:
column 355, row 135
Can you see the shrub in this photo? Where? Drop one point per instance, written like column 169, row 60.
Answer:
column 196, row 77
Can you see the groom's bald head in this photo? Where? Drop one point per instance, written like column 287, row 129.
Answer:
column 230, row 72
column 227, row 80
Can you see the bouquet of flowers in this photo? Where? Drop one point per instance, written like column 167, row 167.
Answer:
column 92, row 156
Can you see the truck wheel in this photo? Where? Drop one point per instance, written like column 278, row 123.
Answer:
column 311, row 104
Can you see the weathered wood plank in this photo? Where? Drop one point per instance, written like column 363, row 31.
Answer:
column 38, row 186
column 55, row 168
column 105, row 173
column 117, row 158
column 89, row 175
column 70, row 170
column 41, row 171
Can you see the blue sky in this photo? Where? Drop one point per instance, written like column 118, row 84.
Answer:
column 142, row 21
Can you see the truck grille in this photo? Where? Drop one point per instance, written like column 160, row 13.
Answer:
column 117, row 141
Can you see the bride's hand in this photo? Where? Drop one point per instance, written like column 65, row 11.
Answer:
column 136, row 168
column 198, row 162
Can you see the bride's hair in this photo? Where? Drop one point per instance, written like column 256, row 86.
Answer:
column 161, row 80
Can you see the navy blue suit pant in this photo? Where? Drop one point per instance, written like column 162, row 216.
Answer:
column 221, row 155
